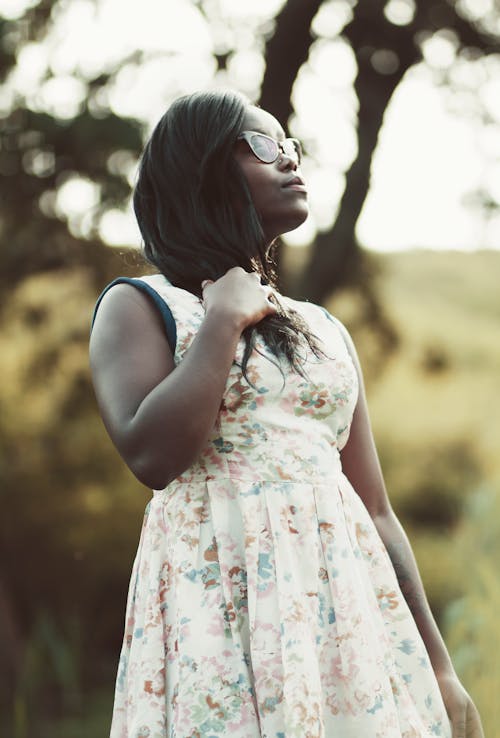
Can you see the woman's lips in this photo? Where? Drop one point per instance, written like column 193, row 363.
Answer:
column 295, row 183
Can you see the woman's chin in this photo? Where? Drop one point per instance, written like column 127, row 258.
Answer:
column 290, row 223
column 300, row 217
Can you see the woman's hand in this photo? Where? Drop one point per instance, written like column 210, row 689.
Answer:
column 462, row 712
column 238, row 296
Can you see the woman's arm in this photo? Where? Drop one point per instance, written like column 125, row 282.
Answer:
column 159, row 415
column 362, row 467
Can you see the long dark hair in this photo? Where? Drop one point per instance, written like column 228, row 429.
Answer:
column 196, row 215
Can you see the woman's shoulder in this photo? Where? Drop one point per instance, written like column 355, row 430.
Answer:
column 150, row 298
column 149, row 283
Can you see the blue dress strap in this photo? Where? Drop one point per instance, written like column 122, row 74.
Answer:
column 158, row 301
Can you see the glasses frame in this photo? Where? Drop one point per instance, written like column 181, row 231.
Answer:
column 290, row 147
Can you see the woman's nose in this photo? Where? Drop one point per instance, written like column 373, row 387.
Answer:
column 288, row 161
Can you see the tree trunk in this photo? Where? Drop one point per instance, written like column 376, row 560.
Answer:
column 335, row 254
column 336, row 257
column 286, row 51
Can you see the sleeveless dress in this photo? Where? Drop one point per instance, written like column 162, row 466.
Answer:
column 262, row 602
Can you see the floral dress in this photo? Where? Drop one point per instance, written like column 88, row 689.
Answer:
column 263, row 603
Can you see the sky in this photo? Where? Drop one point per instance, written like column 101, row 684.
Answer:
column 433, row 152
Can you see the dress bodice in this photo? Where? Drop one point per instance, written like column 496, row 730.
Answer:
column 268, row 426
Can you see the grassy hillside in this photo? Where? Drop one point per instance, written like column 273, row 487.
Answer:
column 441, row 389
column 446, row 308
column 442, row 383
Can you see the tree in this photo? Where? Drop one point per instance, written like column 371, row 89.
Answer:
column 385, row 46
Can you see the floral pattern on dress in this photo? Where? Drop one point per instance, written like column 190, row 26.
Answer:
column 262, row 602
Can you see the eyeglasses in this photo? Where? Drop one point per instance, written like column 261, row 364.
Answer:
column 267, row 149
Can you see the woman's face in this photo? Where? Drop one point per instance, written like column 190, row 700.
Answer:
column 278, row 191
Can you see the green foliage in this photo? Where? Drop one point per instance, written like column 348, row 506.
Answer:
column 71, row 511
column 431, row 490
column 40, row 152
column 93, row 719
column 471, row 622
column 49, row 677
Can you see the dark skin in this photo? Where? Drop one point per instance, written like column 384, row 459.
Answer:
column 143, row 396
column 160, row 416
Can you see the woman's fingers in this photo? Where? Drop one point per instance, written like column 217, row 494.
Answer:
column 474, row 729
column 241, row 294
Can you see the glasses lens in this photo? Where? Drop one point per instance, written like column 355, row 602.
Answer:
column 264, row 148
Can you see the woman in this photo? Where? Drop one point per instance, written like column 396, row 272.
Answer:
column 274, row 592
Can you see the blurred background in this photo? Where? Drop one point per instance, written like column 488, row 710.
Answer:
column 398, row 105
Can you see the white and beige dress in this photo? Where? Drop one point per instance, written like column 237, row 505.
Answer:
column 263, row 603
